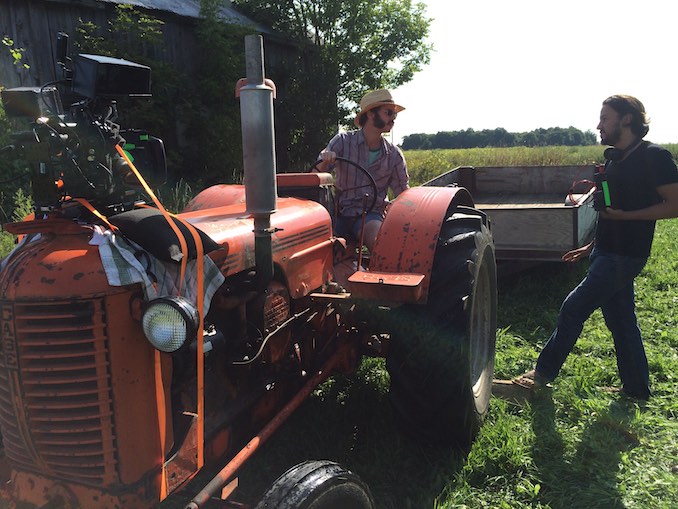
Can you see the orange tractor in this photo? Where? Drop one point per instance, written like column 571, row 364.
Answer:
column 140, row 347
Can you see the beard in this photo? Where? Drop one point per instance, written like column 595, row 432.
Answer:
column 378, row 121
column 612, row 137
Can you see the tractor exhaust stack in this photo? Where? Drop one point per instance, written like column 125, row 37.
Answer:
column 258, row 141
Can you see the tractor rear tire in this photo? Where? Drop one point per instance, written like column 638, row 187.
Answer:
column 318, row 484
column 441, row 357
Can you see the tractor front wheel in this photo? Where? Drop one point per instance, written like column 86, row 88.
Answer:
column 317, row 485
column 441, row 357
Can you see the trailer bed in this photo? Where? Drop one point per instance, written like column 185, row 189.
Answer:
column 537, row 213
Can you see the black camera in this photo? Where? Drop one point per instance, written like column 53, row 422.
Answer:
column 71, row 151
column 100, row 76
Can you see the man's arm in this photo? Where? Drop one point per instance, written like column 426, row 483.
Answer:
column 667, row 209
column 327, row 158
column 400, row 178
column 579, row 253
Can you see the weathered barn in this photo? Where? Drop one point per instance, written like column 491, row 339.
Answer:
column 32, row 25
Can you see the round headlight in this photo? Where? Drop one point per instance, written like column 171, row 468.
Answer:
column 169, row 322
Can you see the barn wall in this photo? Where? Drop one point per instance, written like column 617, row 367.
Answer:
column 34, row 24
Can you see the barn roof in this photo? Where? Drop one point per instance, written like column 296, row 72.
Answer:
column 190, row 9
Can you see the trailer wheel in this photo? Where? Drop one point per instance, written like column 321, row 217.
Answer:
column 318, row 484
column 441, row 358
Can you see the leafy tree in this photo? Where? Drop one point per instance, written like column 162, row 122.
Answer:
column 499, row 137
column 138, row 37
column 212, row 137
column 16, row 52
column 416, row 142
column 346, row 48
column 442, row 139
column 13, row 176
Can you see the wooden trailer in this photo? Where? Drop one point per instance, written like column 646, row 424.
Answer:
column 538, row 213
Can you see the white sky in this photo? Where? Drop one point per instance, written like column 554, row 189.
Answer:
column 526, row 64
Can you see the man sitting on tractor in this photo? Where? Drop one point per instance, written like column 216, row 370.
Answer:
column 385, row 164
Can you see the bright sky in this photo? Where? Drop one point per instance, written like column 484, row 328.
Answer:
column 526, row 64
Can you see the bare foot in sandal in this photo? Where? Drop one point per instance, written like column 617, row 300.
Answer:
column 531, row 380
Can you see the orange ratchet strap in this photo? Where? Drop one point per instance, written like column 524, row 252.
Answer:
column 200, row 361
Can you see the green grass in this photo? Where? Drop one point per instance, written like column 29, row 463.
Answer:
column 426, row 164
column 578, row 446
column 574, row 447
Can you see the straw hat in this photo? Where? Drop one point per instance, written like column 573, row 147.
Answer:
column 374, row 99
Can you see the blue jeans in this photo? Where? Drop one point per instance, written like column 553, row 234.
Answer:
column 349, row 227
column 608, row 285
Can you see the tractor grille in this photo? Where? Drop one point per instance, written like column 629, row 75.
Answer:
column 55, row 396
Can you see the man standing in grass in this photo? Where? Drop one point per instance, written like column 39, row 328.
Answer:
column 643, row 181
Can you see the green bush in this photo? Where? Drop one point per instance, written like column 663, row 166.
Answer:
column 22, row 207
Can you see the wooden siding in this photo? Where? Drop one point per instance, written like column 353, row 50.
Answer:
column 530, row 207
column 34, row 24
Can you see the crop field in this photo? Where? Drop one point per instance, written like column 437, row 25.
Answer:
column 426, row 164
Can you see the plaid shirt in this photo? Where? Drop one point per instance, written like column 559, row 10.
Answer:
column 389, row 170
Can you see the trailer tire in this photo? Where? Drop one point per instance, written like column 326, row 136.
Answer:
column 441, row 357
column 317, row 484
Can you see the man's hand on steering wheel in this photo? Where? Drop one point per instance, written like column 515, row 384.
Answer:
column 328, row 157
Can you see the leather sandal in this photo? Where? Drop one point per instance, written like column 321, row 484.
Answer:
column 531, row 380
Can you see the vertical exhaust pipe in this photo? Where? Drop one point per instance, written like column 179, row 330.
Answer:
column 258, row 140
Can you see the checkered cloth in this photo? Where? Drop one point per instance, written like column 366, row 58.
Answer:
column 126, row 263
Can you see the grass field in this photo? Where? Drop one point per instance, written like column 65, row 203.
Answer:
column 426, row 164
column 573, row 447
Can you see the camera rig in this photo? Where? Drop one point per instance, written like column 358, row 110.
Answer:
column 70, row 151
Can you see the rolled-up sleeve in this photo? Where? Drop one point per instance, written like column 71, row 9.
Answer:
column 400, row 179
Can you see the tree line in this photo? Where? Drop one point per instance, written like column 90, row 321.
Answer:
column 499, row 137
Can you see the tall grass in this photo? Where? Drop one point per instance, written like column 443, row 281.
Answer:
column 423, row 165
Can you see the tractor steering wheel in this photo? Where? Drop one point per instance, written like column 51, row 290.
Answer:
column 371, row 183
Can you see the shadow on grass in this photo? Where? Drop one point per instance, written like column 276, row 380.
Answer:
column 583, row 474
column 351, row 421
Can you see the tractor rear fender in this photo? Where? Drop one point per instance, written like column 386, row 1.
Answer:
column 407, row 240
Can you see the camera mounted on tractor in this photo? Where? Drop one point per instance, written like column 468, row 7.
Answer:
column 140, row 347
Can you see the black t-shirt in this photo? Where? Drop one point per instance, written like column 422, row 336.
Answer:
column 633, row 185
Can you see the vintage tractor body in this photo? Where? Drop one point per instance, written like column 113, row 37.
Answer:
column 133, row 357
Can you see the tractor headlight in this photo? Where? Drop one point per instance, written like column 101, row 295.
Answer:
column 169, row 322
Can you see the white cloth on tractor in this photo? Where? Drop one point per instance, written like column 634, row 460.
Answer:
column 126, row 263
